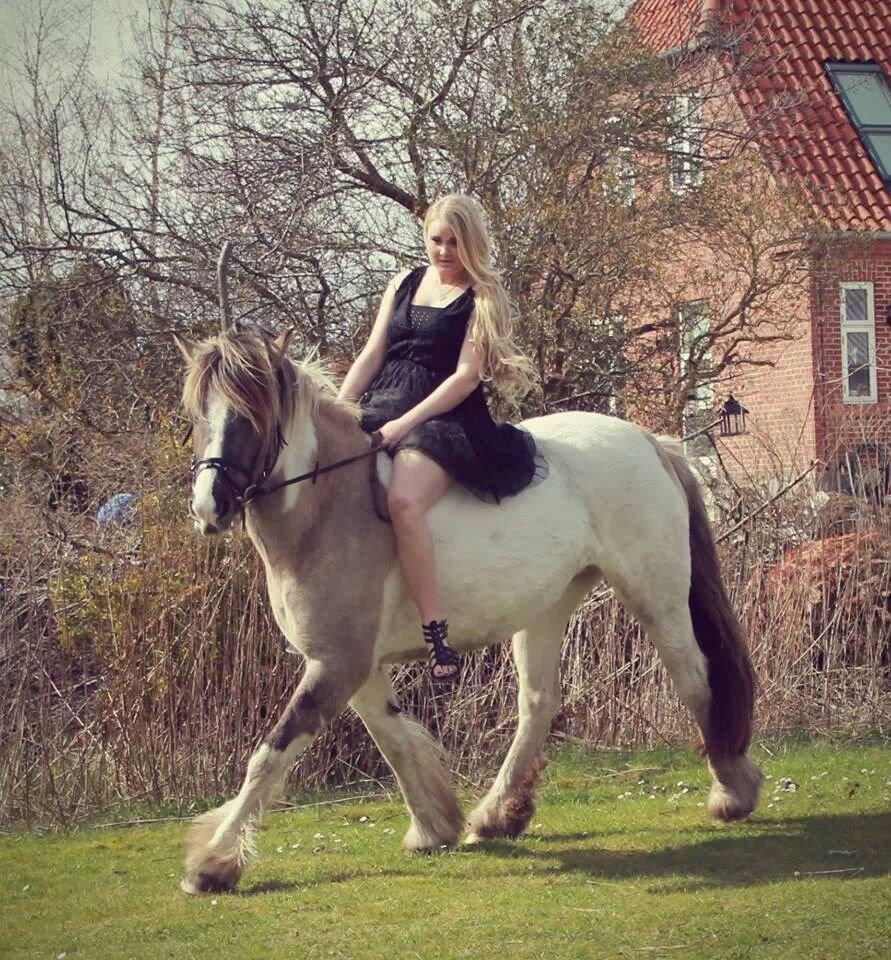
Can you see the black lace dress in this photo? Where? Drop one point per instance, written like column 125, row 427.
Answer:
column 493, row 460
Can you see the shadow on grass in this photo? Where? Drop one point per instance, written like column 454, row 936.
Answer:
column 841, row 847
column 291, row 886
column 850, row 846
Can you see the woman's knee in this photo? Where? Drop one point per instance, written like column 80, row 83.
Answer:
column 418, row 482
column 404, row 505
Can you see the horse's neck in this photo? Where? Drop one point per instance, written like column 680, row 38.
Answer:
column 281, row 526
column 327, row 556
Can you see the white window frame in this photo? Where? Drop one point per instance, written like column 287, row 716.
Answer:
column 694, row 320
column 620, row 183
column 869, row 328
column 685, row 165
column 617, row 325
column 625, row 185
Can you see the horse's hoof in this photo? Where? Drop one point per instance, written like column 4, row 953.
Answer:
column 419, row 840
column 201, row 884
column 736, row 789
column 427, row 849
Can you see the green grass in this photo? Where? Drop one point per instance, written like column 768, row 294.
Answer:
column 620, row 861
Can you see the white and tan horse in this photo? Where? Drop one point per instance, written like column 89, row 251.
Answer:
column 617, row 506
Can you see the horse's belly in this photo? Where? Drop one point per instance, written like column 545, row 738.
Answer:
column 501, row 563
column 497, row 566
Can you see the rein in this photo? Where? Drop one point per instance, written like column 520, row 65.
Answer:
column 255, row 491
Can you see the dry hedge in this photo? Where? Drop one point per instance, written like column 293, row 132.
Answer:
column 143, row 665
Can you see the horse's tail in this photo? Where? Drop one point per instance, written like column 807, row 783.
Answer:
column 717, row 630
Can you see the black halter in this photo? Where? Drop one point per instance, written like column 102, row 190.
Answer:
column 246, row 495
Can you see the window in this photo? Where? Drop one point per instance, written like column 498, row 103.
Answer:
column 619, row 181
column 864, row 92
column 685, row 144
column 858, row 343
column 616, row 335
column 696, row 361
column 621, row 176
column 598, row 366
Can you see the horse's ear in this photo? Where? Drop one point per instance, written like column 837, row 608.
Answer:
column 188, row 348
column 279, row 347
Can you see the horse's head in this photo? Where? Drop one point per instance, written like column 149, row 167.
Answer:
column 238, row 392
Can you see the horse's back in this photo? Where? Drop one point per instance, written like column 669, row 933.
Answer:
column 622, row 476
column 602, row 454
column 602, row 471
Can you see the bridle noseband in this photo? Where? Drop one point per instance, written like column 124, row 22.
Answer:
column 253, row 488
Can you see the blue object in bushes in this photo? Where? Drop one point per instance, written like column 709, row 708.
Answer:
column 118, row 511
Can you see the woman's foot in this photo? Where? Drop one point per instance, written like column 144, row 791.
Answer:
column 445, row 664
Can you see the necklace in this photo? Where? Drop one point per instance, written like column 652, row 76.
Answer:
column 444, row 287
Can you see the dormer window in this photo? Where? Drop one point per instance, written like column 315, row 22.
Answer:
column 863, row 89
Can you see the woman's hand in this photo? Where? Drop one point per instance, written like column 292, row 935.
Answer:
column 393, row 431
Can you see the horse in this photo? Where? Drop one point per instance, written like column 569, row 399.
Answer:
column 618, row 505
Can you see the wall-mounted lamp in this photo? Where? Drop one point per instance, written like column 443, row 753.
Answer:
column 733, row 418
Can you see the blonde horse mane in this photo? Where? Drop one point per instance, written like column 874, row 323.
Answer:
column 242, row 366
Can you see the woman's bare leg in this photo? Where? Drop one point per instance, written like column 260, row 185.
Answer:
column 417, row 483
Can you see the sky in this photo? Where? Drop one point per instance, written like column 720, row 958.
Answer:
column 104, row 22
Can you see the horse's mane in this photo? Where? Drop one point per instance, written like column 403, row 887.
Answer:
column 239, row 364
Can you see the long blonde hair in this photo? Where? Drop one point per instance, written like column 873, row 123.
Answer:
column 492, row 331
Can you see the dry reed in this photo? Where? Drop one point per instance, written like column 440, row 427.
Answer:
column 142, row 666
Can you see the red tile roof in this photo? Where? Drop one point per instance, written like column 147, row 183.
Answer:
column 811, row 137
column 666, row 24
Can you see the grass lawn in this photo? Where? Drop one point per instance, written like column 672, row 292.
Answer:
column 621, row 860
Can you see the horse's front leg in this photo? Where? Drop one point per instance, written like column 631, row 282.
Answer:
column 418, row 762
column 221, row 842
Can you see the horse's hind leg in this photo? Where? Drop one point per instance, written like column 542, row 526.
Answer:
column 221, row 842
column 665, row 615
column 418, row 762
column 507, row 808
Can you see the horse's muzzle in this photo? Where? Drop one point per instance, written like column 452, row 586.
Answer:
column 207, row 529
column 213, row 521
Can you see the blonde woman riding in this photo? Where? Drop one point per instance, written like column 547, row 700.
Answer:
column 441, row 330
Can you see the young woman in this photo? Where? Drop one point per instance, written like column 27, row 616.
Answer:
column 440, row 332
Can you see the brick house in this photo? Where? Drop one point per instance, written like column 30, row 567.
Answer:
column 826, row 394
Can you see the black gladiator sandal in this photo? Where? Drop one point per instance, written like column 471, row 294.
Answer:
column 442, row 655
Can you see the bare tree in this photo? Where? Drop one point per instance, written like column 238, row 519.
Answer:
column 318, row 133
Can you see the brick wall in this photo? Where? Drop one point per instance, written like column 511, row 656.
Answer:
column 780, row 398
column 855, row 261
column 844, row 426
column 797, row 409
